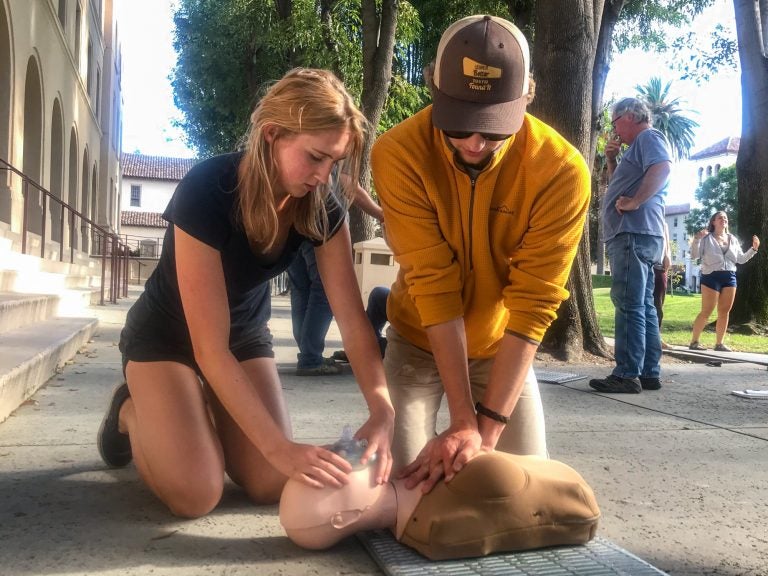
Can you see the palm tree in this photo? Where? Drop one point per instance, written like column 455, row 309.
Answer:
column 669, row 117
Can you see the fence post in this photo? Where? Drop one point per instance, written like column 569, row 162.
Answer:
column 24, row 218
column 103, row 275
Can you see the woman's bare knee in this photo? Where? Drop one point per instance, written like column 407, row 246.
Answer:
column 194, row 499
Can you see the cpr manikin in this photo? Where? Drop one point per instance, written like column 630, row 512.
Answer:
column 499, row 502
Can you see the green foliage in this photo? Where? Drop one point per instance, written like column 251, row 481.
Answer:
column 230, row 50
column 720, row 192
column 226, row 52
column 668, row 116
column 437, row 15
column 404, row 100
column 646, row 23
column 698, row 61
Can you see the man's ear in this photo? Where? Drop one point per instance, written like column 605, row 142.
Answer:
column 345, row 518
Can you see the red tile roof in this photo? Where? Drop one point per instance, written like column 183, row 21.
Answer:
column 156, row 167
column 148, row 219
column 725, row 146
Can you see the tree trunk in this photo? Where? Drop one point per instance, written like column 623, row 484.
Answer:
column 565, row 47
column 378, row 49
column 752, row 161
column 601, row 187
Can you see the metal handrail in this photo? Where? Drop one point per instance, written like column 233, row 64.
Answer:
column 109, row 244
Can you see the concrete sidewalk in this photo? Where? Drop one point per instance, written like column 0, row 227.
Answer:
column 681, row 474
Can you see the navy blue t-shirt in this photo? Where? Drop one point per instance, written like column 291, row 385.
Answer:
column 204, row 205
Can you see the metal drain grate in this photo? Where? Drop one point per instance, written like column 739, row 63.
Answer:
column 557, row 377
column 597, row 558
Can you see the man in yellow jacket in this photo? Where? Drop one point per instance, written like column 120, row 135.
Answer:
column 484, row 207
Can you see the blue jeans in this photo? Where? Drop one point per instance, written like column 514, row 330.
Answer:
column 638, row 342
column 310, row 312
column 377, row 313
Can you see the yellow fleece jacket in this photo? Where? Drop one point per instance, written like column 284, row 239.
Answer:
column 496, row 251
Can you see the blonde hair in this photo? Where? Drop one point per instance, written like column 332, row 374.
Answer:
column 304, row 100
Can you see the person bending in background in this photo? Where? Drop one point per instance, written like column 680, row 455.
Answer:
column 203, row 397
column 377, row 316
column 720, row 252
column 311, row 314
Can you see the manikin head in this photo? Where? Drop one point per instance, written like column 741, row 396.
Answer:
column 317, row 518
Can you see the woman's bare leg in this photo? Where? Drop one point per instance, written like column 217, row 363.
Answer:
column 245, row 463
column 708, row 302
column 174, row 444
column 724, row 305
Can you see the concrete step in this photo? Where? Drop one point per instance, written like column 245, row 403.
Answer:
column 31, row 355
column 18, row 310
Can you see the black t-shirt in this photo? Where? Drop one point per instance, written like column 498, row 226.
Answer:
column 204, row 205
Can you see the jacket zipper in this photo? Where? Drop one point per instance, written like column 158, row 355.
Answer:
column 472, row 182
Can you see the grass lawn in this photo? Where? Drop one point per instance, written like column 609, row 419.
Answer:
column 679, row 312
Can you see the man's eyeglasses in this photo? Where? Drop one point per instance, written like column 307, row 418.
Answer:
column 464, row 135
column 613, row 122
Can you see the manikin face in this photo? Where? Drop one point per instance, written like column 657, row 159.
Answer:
column 317, row 518
column 305, row 160
column 475, row 151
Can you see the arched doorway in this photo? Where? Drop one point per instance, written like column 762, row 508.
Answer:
column 71, row 225
column 56, row 178
column 32, row 148
column 6, row 81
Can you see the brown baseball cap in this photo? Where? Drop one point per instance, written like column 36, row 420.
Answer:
column 481, row 77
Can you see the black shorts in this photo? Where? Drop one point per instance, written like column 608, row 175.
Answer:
column 719, row 279
column 147, row 337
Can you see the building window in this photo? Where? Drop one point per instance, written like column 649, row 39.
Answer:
column 135, row 195
column 63, row 14
column 674, row 222
column 98, row 95
column 89, row 70
column 78, row 32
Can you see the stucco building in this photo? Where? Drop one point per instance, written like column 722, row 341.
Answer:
column 60, row 116
column 148, row 182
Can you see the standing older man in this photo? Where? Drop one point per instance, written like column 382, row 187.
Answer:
column 633, row 230
column 484, row 206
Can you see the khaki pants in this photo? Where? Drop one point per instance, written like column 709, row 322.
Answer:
column 416, row 391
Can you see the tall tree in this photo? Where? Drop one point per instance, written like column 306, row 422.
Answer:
column 668, row 116
column 379, row 25
column 620, row 23
column 752, row 161
column 565, row 47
